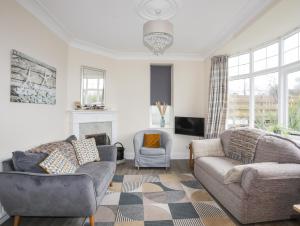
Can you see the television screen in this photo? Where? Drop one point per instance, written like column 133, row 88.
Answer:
column 189, row 126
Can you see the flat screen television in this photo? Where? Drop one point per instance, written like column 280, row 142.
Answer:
column 189, row 126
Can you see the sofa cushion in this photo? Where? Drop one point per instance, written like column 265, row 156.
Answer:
column 274, row 148
column 101, row 173
column 153, row 151
column 217, row 167
column 64, row 146
column 207, row 147
column 28, row 162
column 86, row 150
column 56, row 163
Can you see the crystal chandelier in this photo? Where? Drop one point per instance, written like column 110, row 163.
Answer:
column 158, row 35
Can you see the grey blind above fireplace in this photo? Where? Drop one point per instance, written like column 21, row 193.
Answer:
column 160, row 84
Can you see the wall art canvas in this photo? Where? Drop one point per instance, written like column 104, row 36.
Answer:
column 31, row 80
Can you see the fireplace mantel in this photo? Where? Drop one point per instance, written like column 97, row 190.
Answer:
column 94, row 116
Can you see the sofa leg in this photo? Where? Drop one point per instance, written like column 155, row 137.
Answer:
column 92, row 220
column 17, row 220
column 111, row 184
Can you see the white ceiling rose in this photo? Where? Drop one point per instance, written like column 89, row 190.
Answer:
column 158, row 9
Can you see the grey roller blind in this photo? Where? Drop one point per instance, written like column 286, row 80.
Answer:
column 160, row 84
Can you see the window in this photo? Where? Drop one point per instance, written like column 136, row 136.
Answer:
column 266, row 95
column 266, row 100
column 291, row 50
column 160, row 90
column 92, row 86
column 265, row 58
column 239, row 65
column 238, row 107
column 294, row 102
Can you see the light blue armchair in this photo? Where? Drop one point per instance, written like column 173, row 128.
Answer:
column 152, row 157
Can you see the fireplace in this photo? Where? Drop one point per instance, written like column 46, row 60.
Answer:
column 89, row 122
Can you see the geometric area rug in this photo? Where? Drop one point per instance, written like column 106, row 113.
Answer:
column 159, row 200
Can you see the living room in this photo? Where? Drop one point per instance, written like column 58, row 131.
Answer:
column 176, row 73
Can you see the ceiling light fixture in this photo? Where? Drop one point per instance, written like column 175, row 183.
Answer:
column 158, row 35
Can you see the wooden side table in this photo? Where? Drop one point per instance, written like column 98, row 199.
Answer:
column 191, row 160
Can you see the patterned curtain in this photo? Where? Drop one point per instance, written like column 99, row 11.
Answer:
column 217, row 96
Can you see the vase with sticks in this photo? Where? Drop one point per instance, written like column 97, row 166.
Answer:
column 162, row 110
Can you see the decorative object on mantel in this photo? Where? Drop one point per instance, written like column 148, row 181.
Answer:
column 162, row 110
column 77, row 105
column 158, row 30
column 31, row 80
column 89, row 107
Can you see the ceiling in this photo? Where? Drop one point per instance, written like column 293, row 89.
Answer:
column 114, row 27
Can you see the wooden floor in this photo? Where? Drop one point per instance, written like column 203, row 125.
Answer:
column 177, row 166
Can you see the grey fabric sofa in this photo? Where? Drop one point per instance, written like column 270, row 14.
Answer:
column 265, row 193
column 152, row 157
column 72, row 195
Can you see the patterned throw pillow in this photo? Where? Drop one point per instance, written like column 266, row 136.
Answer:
column 86, row 150
column 65, row 147
column 56, row 163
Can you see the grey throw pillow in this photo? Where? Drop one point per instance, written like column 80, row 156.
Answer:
column 28, row 162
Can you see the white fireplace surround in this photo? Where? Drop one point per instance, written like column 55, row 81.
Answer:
column 93, row 116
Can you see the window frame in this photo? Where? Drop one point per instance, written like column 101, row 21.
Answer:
column 282, row 69
column 83, row 90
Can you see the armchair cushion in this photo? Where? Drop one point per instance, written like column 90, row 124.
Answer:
column 153, row 151
column 152, row 140
column 208, row 147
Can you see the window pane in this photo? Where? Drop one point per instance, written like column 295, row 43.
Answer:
column 260, row 54
column 260, row 65
column 232, row 71
column 266, row 100
column 294, row 101
column 272, row 62
column 272, row 50
column 244, row 69
column 238, row 107
column 291, row 42
column 244, row 59
column 232, row 61
column 291, row 56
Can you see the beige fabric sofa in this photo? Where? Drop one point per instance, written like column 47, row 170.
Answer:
column 265, row 192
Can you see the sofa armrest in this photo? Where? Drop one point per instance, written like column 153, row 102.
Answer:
column 207, row 147
column 281, row 178
column 33, row 194
column 107, row 153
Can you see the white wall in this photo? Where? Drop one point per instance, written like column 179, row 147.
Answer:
column 25, row 125
column 281, row 18
column 128, row 92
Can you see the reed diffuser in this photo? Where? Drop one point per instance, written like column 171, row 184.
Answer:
column 162, row 110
